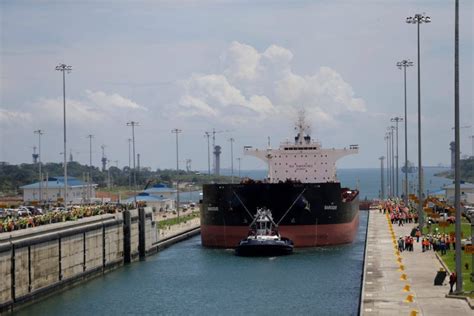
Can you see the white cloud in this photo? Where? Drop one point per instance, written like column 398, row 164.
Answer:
column 95, row 107
column 257, row 85
column 196, row 106
column 14, row 117
column 111, row 101
column 243, row 61
column 214, row 96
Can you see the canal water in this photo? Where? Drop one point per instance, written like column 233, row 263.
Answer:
column 187, row 279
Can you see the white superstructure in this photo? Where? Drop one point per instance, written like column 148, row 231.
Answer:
column 304, row 160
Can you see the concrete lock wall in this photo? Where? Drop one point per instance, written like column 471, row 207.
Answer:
column 41, row 260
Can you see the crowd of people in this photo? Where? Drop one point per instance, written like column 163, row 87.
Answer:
column 401, row 214
column 12, row 223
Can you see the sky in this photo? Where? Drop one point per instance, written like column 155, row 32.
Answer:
column 243, row 68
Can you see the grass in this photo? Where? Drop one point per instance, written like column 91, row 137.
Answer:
column 175, row 221
column 449, row 258
column 465, row 228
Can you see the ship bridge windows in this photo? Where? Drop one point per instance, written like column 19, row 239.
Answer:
column 300, row 148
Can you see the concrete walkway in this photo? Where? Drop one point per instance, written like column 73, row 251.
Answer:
column 403, row 283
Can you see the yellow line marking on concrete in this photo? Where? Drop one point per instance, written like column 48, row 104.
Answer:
column 406, row 288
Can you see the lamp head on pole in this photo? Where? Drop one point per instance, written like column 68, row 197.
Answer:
column 404, row 63
column 418, row 19
column 396, row 119
column 64, row 67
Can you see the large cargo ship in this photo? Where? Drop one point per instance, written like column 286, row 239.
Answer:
column 301, row 190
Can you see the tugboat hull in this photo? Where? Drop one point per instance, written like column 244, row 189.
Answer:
column 257, row 248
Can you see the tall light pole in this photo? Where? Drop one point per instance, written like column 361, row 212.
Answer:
column 396, row 120
column 90, row 136
column 404, row 64
column 390, row 130
column 472, row 149
column 231, row 140
column 457, row 152
column 392, row 159
column 208, row 134
column 40, row 175
column 129, row 162
column 109, row 185
column 239, row 160
column 382, row 191
column 177, row 131
column 64, row 68
column 133, row 124
column 387, row 140
column 418, row 19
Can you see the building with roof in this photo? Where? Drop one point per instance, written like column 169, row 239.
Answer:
column 53, row 190
column 159, row 196
column 466, row 189
column 160, row 204
column 161, row 190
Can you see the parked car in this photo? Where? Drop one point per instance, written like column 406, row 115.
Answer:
column 35, row 210
column 23, row 211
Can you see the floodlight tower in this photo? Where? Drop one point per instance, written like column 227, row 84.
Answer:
column 239, row 159
column 177, row 131
column 40, row 175
column 404, row 64
column 419, row 19
column 387, row 140
column 64, row 68
column 382, row 191
column 90, row 136
column 231, row 140
column 396, row 120
column 133, row 124
column 208, row 134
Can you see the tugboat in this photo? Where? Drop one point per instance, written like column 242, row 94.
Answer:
column 263, row 238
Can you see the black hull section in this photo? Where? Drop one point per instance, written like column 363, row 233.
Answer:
column 308, row 203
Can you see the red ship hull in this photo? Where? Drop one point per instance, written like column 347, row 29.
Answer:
column 220, row 236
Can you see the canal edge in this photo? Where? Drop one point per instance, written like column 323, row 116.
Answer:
column 364, row 269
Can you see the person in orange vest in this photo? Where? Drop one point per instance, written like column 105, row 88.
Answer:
column 424, row 244
column 418, row 234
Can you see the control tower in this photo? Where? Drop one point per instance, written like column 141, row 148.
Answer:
column 452, row 147
column 217, row 159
